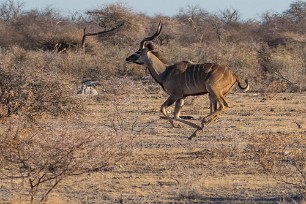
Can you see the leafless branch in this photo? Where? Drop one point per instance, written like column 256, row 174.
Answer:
column 99, row 33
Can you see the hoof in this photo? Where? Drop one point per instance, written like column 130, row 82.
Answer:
column 195, row 133
column 174, row 125
column 187, row 117
column 177, row 126
column 191, row 136
column 206, row 120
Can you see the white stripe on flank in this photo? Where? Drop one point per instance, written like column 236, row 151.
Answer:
column 190, row 76
column 194, row 71
column 201, row 77
column 186, row 79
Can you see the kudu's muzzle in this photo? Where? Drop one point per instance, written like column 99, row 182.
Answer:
column 133, row 59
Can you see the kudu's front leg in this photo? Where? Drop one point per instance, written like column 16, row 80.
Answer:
column 178, row 107
column 164, row 107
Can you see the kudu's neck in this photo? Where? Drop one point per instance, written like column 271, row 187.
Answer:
column 156, row 66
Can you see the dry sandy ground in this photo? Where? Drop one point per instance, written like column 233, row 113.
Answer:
column 220, row 165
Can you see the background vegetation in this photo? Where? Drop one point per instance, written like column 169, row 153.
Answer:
column 42, row 62
column 270, row 51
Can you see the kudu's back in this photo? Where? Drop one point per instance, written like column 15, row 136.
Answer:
column 196, row 79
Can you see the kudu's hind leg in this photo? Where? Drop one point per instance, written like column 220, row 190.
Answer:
column 213, row 104
column 213, row 108
column 214, row 99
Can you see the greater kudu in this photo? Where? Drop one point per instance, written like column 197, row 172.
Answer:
column 184, row 79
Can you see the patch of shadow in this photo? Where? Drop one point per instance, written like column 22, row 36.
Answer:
column 185, row 117
column 196, row 199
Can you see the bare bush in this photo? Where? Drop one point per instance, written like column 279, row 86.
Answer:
column 230, row 16
column 42, row 156
column 112, row 15
column 39, row 29
column 281, row 66
column 284, row 159
column 221, row 38
column 296, row 15
column 24, row 98
column 204, row 26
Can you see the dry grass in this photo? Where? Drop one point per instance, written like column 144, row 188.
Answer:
column 253, row 153
column 228, row 163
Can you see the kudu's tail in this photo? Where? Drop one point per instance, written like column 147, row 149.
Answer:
column 246, row 88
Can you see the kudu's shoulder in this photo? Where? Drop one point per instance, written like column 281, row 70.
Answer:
column 178, row 67
column 182, row 66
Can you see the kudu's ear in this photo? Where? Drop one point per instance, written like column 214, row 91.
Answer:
column 150, row 46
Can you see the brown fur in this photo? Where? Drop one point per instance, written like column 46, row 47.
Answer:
column 185, row 78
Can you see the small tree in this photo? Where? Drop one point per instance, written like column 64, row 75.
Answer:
column 111, row 16
column 10, row 10
column 230, row 16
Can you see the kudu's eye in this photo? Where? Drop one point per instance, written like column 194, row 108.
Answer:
column 150, row 46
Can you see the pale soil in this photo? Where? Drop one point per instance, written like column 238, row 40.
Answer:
column 217, row 166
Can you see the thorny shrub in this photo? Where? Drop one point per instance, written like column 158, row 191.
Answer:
column 283, row 158
column 42, row 153
column 42, row 156
column 281, row 68
column 21, row 97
